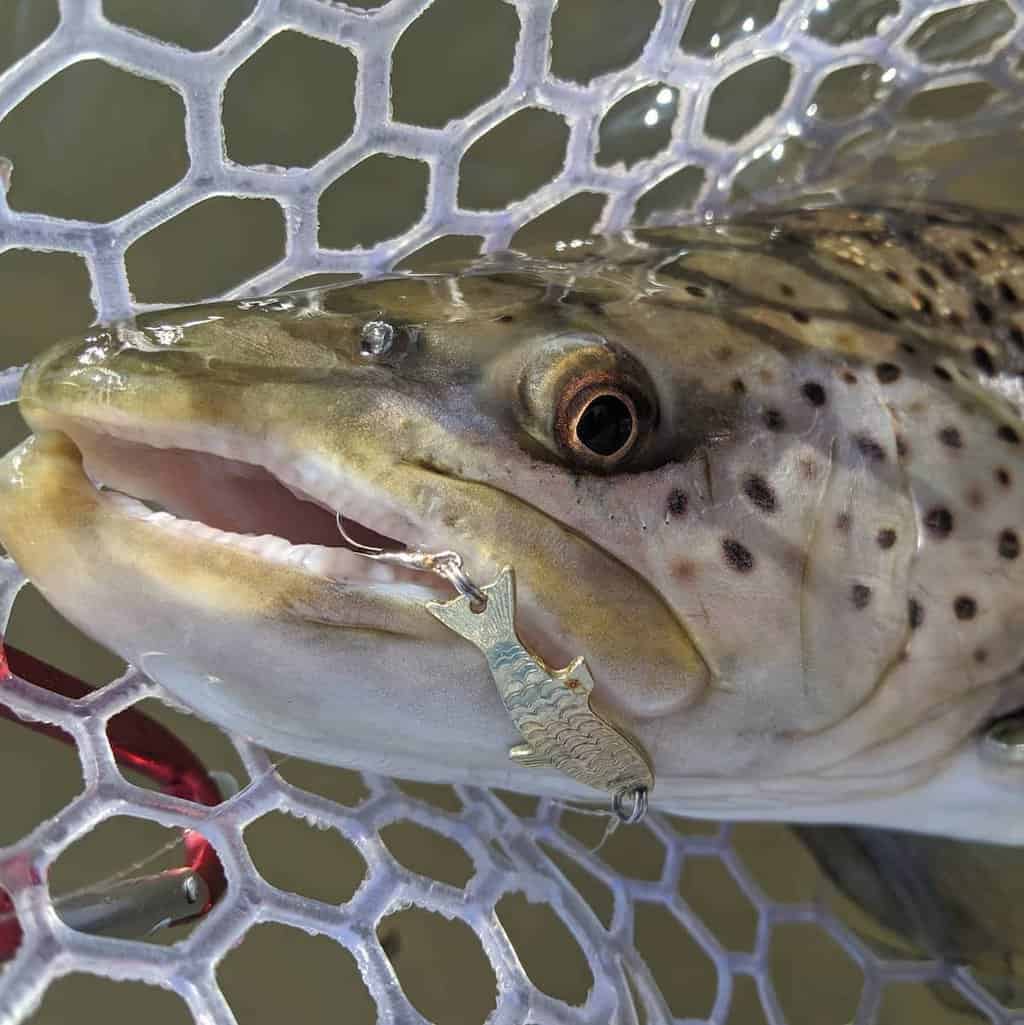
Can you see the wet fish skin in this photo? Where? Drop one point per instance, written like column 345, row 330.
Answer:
column 800, row 591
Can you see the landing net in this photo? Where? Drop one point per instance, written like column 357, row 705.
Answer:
column 639, row 111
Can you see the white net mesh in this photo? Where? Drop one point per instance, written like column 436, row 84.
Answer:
column 647, row 108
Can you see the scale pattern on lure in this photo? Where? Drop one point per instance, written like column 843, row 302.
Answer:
column 551, row 708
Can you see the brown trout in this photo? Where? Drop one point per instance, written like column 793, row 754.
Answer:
column 765, row 476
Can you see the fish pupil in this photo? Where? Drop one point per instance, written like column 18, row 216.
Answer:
column 606, row 425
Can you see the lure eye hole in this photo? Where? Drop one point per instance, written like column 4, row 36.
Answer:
column 602, row 425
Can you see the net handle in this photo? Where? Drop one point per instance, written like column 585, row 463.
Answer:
column 138, row 742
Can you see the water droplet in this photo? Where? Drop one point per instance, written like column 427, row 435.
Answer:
column 377, row 338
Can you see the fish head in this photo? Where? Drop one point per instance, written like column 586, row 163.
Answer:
column 178, row 502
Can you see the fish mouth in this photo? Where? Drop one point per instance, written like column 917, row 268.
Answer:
column 277, row 506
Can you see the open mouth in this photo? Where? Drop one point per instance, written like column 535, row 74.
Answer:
column 276, row 506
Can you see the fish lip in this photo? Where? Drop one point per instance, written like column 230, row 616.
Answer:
column 309, row 479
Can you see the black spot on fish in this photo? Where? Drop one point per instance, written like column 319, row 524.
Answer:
column 955, row 319
column 984, row 311
column 800, row 317
column 923, row 304
column 980, row 655
column 1003, row 476
column 506, row 318
column 1017, row 336
column 902, row 448
column 915, row 611
column 869, row 448
column 983, row 360
column 787, row 290
column 849, row 377
column 738, row 386
column 843, row 522
column 737, row 555
column 894, row 276
column 696, row 291
column 909, row 347
column 952, row 437
column 1008, row 434
column 888, row 372
column 760, row 493
column 981, row 245
column 814, row 393
column 678, row 502
column 966, row 259
column 774, row 420
column 942, row 373
column 925, row 276
column 860, row 595
column 1006, row 292
column 965, row 607
column 886, row 537
column 939, row 521
column 1009, row 544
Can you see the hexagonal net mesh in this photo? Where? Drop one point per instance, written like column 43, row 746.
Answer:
column 569, row 117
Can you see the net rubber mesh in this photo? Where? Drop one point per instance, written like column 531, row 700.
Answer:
column 648, row 109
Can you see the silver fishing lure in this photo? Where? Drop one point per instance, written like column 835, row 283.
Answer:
column 551, row 708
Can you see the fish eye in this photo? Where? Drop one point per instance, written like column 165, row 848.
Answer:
column 600, row 424
column 588, row 401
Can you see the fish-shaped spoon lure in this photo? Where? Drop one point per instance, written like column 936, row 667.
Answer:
column 551, row 708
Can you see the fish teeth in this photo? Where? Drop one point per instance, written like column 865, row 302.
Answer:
column 332, row 563
column 309, row 478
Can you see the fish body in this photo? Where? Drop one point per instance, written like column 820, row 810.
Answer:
column 765, row 476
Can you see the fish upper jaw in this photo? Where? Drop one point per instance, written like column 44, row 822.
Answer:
column 257, row 494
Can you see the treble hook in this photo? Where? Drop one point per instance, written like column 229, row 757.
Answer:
column 446, row 564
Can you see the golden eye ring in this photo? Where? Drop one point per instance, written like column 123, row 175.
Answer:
column 600, row 424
